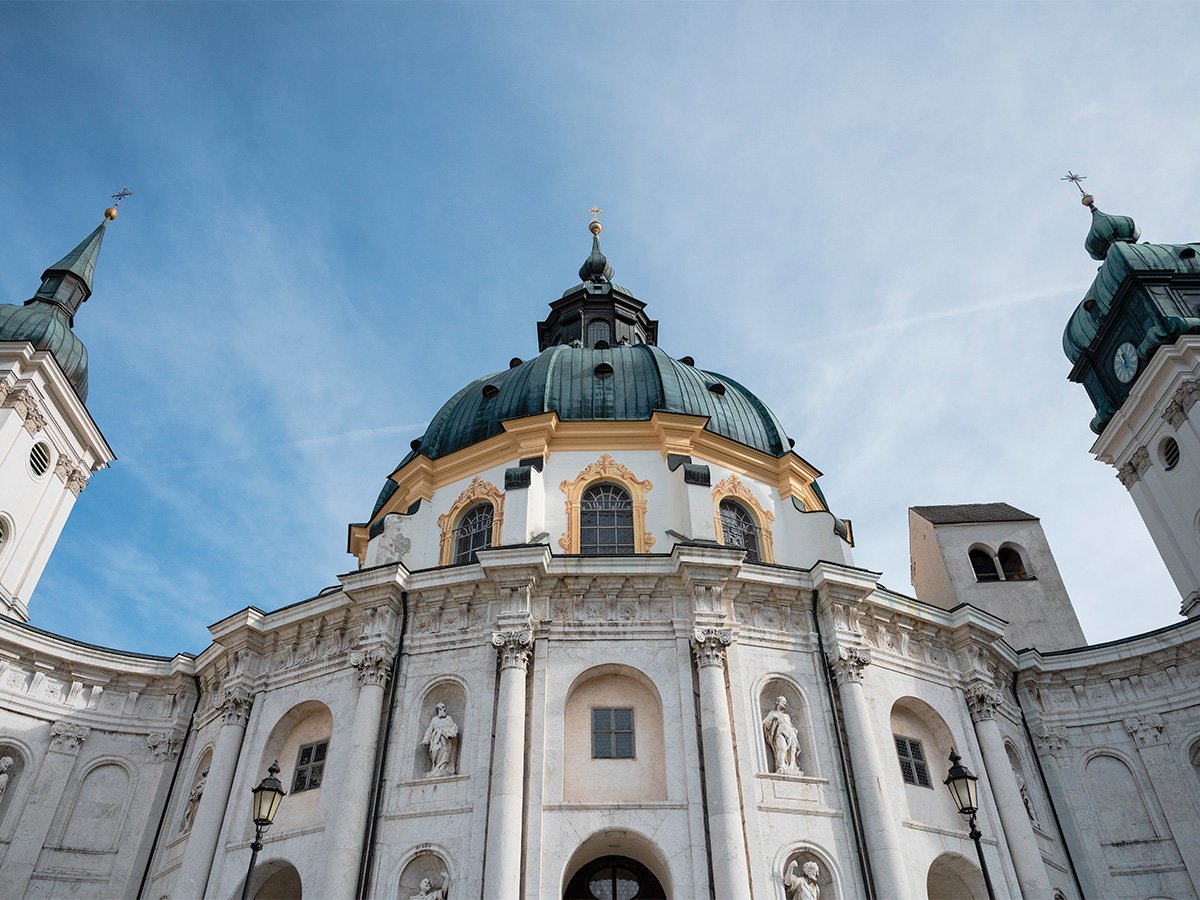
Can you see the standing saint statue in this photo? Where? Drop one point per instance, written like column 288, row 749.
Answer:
column 429, row 892
column 783, row 739
column 803, row 886
column 6, row 763
column 441, row 737
column 189, row 814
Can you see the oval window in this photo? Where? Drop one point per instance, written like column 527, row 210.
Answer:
column 39, row 458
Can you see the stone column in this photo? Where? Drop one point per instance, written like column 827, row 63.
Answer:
column 347, row 825
column 502, row 859
column 206, row 827
column 731, row 874
column 40, row 806
column 881, row 829
column 983, row 700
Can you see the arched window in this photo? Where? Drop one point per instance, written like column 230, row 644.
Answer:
column 473, row 533
column 983, row 564
column 597, row 331
column 1012, row 565
column 614, row 878
column 606, row 520
column 740, row 529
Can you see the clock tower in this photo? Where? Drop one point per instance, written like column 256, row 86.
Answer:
column 1134, row 344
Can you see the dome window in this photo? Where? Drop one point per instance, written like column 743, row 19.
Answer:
column 603, row 370
column 1169, row 450
column 598, row 333
column 1012, row 565
column 474, row 533
column 514, row 362
column 1187, row 253
column 739, row 529
column 39, row 458
column 490, row 391
column 983, row 565
column 606, row 521
column 717, row 388
column 687, row 361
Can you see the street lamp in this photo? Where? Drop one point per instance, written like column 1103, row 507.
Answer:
column 965, row 791
column 265, row 804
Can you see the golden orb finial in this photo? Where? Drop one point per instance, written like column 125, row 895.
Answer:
column 595, row 226
column 110, row 213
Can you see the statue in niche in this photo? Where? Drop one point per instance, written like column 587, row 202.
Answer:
column 803, row 886
column 189, row 814
column 783, row 739
column 441, row 737
column 428, row 891
column 6, row 763
column 1025, row 798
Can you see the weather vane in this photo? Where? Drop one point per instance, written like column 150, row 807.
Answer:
column 111, row 212
column 1086, row 199
column 595, row 225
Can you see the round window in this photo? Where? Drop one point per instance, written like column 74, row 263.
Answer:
column 39, row 458
column 1169, row 450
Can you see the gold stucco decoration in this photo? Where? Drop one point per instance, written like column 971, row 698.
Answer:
column 606, row 469
column 476, row 492
column 734, row 488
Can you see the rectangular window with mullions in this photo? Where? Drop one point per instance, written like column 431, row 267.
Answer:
column 612, row 733
column 912, row 761
column 310, row 766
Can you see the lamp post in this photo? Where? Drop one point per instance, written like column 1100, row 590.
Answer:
column 266, row 803
column 965, row 791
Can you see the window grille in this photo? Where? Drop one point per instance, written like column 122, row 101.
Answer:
column 739, row 529
column 1170, row 453
column 310, row 766
column 606, row 521
column 39, row 458
column 597, row 331
column 612, row 733
column 912, row 761
column 474, row 532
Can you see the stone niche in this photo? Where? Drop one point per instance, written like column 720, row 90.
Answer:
column 10, row 802
column 798, row 710
column 455, row 697
column 426, row 864
column 825, row 879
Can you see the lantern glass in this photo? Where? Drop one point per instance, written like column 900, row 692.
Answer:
column 267, row 796
column 963, row 786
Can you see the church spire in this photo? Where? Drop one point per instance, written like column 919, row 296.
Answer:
column 595, row 268
column 1106, row 229
column 68, row 282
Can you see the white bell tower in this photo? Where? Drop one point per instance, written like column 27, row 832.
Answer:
column 49, row 445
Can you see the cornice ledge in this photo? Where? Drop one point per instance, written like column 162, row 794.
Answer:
column 509, row 565
column 241, row 624
column 1171, row 640
column 845, row 583
column 377, row 583
column 697, row 564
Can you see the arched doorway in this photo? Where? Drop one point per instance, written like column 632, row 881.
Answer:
column 614, row 878
column 953, row 877
column 275, row 879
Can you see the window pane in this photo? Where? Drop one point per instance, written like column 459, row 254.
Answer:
column 623, row 719
column 305, row 755
column 922, row 775
column 906, row 769
column 602, row 744
column 915, row 751
column 314, row 775
column 319, row 751
column 624, row 744
column 300, row 782
column 601, row 719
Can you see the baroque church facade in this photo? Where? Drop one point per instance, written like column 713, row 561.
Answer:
column 605, row 638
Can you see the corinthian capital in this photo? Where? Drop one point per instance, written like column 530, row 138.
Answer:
column 849, row 665
column 374, row 665
column 234, row 703
column 26, row 407
column 67, row 737
column 982, row 700
column 709, row 645
column 513, row 647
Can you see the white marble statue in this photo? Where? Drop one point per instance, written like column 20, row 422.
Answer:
column 441, row 737
column 189, row 814
column 428, row 891
column 803, row 886
column 1026, row 799
column 783, row 739
column 6, row 763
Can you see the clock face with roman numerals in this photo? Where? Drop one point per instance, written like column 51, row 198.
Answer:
column 1125, row 362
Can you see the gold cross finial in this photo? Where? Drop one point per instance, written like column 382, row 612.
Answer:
column 111, row 212
column 595, row 211
column 595, row 227
column 1086, row 198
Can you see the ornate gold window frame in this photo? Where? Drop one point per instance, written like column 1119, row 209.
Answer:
column 732, row 488
column 606, row 469
column 476, row 492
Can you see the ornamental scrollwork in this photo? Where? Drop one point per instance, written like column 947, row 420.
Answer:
column 234, row 704
column 709, row 644
column 25, row 404
column 67, row 737
column 163, row 745
column 1184, row 398
column 475, row 492
column 374, row 665
column 606, row 469
column 982, row 701
column 1146, row 730
column 1132, row 471
column 513, row 647
column 849, row 665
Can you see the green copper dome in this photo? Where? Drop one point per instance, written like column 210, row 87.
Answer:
column 617, row 384
column 47, row 326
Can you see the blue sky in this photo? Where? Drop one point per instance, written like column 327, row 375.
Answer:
column 343, row 213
